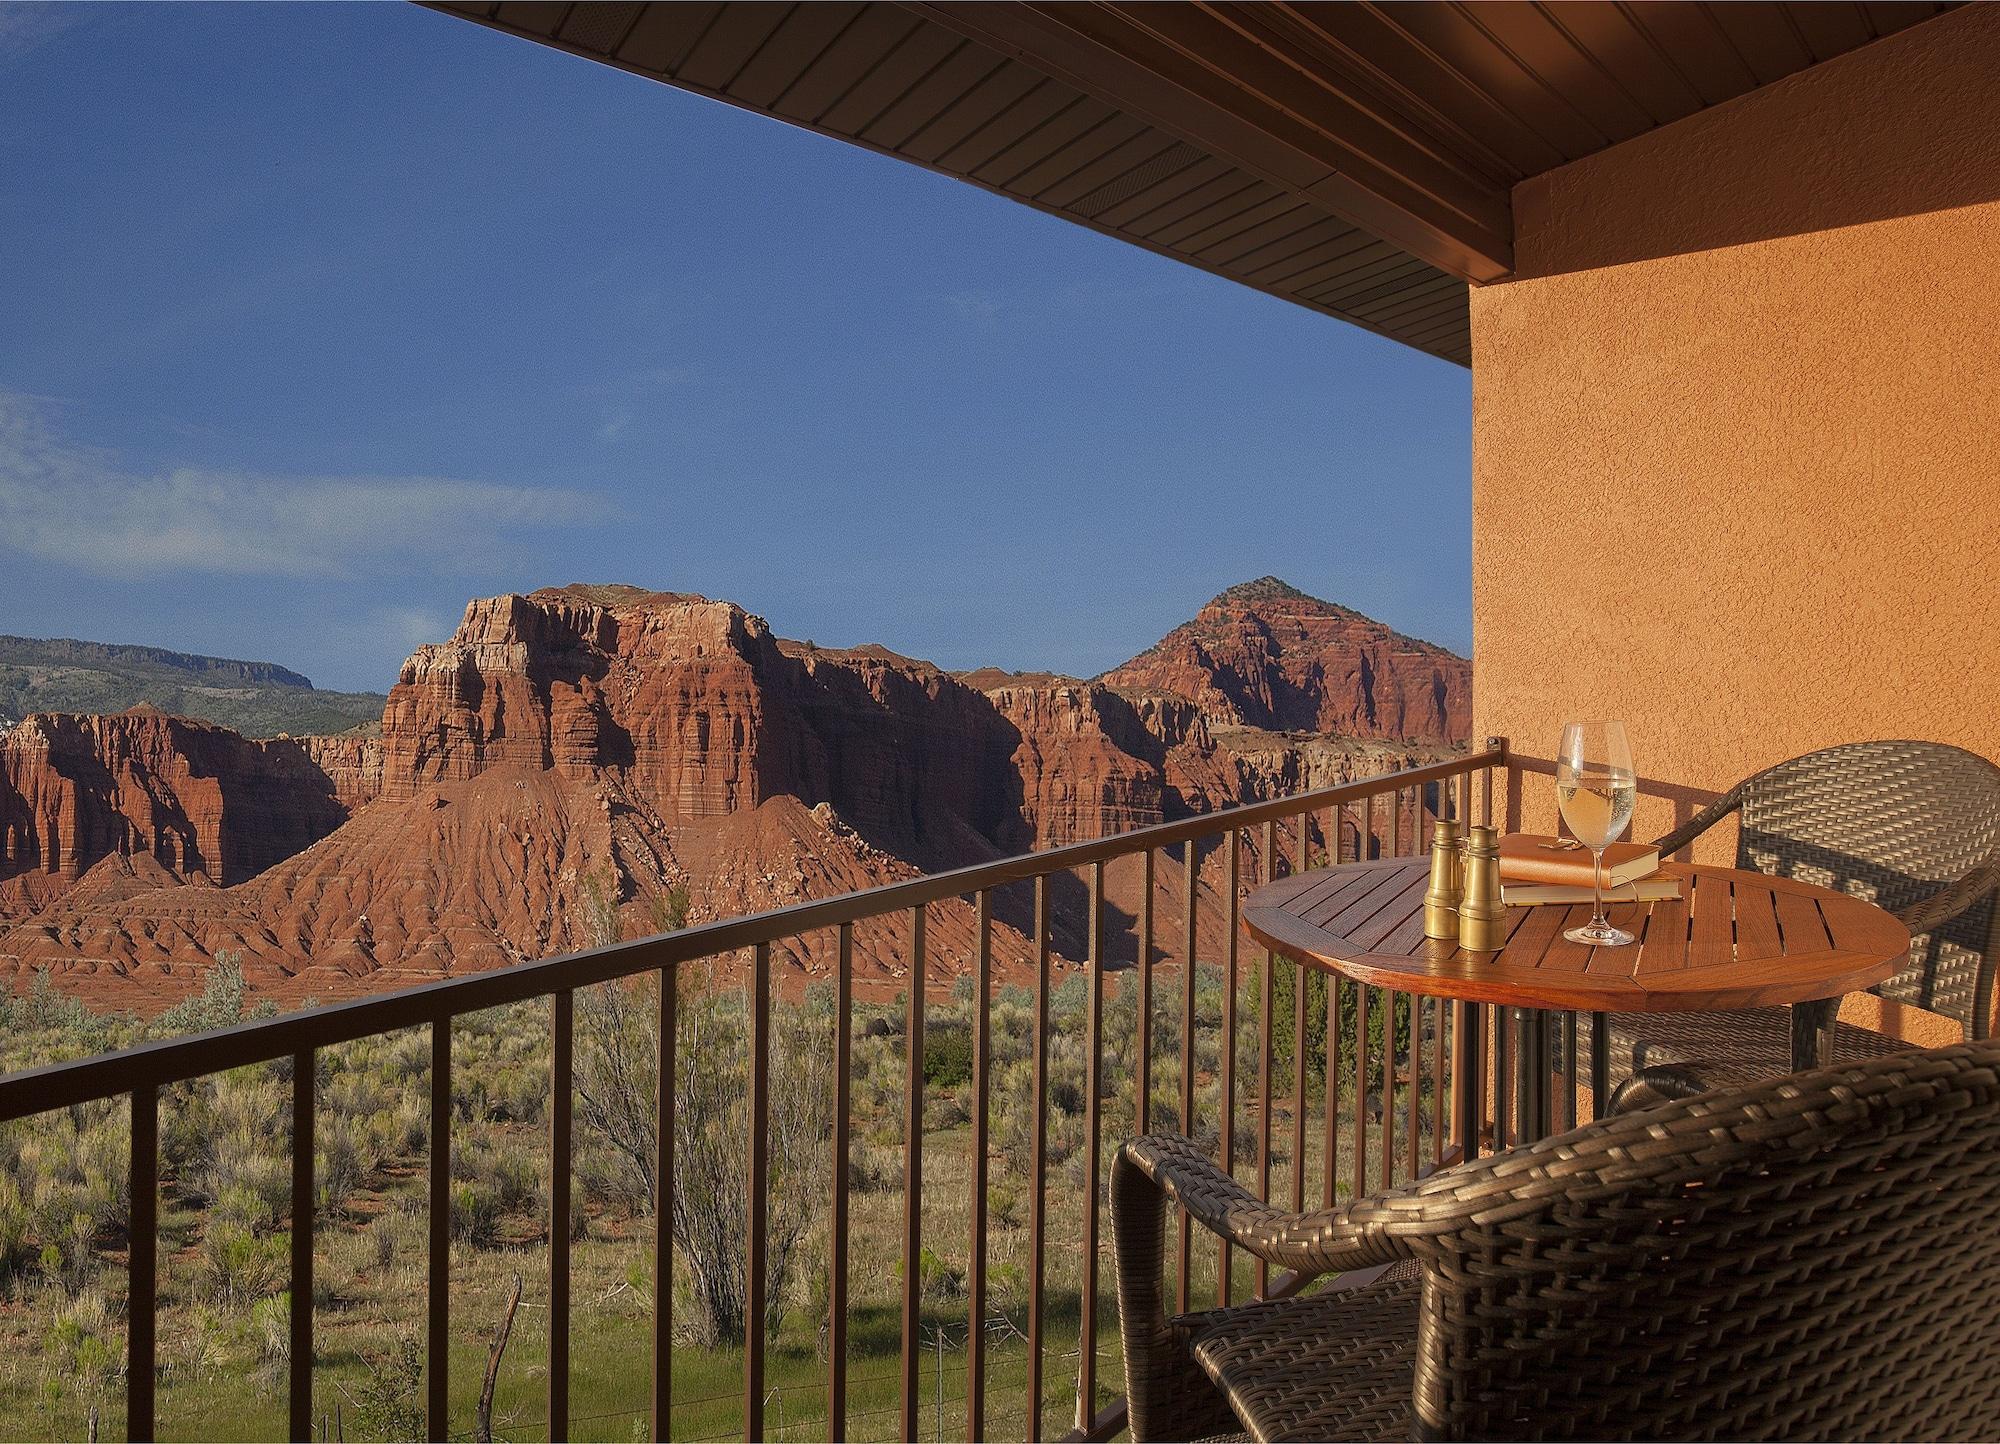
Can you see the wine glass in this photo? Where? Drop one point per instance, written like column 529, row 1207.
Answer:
column 1596, row 789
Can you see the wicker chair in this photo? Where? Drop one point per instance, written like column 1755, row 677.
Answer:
column 1912, row 826
column 1814, row 1257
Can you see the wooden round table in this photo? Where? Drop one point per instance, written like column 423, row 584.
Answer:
column 1733, row 939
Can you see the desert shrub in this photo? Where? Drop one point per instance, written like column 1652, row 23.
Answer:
column 488, row 1184
column 342, row 1160
column 354, row 1090
column 475, row 1213
column 389, row 1403
column 406, row 1129
column 947, row 1108
column 218, row 1005
column 81, row 1356
column 523, row 1095
column 16, row 1247
column 243, row 1118
column 236, row 1266
column 382, row 1243
column 947, row 1057
column 271, row 1330
column 939, row 1280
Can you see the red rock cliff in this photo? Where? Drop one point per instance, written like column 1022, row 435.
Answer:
column 608, row 743
column 199, row 799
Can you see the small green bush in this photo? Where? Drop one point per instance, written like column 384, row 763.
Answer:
column 947, row 1058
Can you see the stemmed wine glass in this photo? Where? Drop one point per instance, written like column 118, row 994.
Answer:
column 1596, row 789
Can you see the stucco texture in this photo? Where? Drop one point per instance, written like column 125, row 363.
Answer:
column 1746, row 496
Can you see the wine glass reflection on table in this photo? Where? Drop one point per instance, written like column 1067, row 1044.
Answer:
column 1596, row 789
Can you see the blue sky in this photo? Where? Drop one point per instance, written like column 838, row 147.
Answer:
column 320, row 319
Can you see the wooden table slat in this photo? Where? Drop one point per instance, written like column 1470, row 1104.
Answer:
column 1756, row 924
column 1624, row 961
column 1529, row 943
column 1665, row 945
column 1329, row 903
column 1801, row 923
column 1712, row 907
column 1385, row 883
column 1396, row 911
column 1562, row 955
column 1316, row 883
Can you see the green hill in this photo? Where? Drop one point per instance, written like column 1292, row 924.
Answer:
column 258, row 699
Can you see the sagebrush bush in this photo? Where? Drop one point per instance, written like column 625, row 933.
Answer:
column 236, row 1266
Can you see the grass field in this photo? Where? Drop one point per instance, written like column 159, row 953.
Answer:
column 225, row 1239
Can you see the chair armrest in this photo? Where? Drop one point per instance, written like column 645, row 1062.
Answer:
column 1672, row 842
column 1326, row 1241
column 1951, row 900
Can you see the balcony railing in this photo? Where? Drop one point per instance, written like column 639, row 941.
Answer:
column 1377, row 816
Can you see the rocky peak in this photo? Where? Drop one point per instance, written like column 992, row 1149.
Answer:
column 1271, row 590
column 1265, row 654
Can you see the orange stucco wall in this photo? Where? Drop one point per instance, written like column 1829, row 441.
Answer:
column 1736, row 463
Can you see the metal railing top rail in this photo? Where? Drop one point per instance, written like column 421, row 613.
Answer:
column 176, row 1060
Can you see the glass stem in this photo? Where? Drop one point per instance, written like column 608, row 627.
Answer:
column 1598, row 920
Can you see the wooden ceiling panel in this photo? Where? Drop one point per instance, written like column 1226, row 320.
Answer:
column 1086, row 155
column 1295, row 251
column 1771, row 45
column 889, row 80
column 599, row 29
column 664, row 35
column 1041, row 103
column 1212, row 225
column 1629, row 57
column 1364, row 41
column 794, row 49
column 1468, row 48
column 1141, row 159
column 1358, row 159
column 1529, row 35
column 1288, row 231
column 1213, row 196
column 1690, row 41
column 730, row 43
column 852, row 55
column 1353, row 263
column 963, row 92
column 539, row 18
column 1325, row 257
column 1887, row 19
column 1076, row 118
column 1831, row 26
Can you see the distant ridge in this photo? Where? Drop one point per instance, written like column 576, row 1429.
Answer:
column 70, row 651
column 258, row 699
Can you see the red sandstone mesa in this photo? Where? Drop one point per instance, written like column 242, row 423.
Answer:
column 595, row 742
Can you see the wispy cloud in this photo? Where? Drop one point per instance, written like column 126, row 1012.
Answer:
column 975, row 305
column 80, row 505
column 26, row 25
column 637, row 394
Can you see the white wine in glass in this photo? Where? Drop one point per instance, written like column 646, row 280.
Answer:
column 1596, row 789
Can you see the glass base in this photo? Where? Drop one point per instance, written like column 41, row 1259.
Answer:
column 1600, row 935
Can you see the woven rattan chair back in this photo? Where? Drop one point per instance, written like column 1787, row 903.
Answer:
column 1890, row 822
column 1814, row 1258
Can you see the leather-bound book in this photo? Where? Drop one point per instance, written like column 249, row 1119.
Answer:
column 1657, row 888
column 1530, row 857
